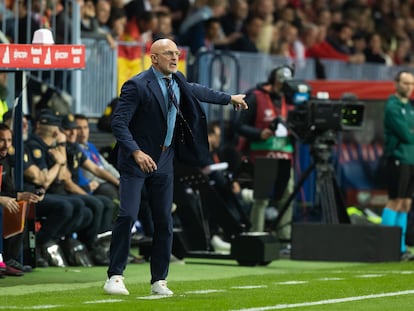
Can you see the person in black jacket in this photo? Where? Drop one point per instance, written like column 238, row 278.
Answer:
column 8, row 199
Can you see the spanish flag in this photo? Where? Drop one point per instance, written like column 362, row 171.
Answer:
column 130, row 61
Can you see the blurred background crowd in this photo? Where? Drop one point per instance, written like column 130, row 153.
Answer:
column 355, row 30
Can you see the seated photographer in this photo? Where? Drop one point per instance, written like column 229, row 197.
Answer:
column 263, row 129
column 228, row 191
column 222, row 150
column 222, row 212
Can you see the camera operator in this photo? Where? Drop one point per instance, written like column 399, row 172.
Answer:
column 266, row 136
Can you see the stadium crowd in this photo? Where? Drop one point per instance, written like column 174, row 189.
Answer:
column 356, row 31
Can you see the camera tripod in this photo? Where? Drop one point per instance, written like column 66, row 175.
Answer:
column 328, row 194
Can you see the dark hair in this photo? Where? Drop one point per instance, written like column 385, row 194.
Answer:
column 4, row 127
column 211, row 126
column 80, row 116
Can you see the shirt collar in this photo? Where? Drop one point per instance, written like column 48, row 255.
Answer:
column 159, row 75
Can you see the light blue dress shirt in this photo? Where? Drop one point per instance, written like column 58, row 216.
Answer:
column 172, row 112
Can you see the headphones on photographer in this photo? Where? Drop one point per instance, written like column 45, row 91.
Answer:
column 281, row 74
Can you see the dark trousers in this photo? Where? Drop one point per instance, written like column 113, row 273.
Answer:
column 159, row 187
column 82, row 214
column 56, row 215
column 108, row 190
column 88, row 235
column 61, row 215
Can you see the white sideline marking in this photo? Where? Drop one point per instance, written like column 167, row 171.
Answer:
column 291, row 282
column 249, row 287
column 328, row 301
column 331, row 279
column 32, row 307
column 206, row 291
column 154, row 297
column 367, row 276
column 102, row 301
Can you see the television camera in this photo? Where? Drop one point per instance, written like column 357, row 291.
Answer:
column 316, row 121
column 313, row 117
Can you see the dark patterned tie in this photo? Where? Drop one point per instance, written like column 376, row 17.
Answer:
column 171, row 97
column 172, row 100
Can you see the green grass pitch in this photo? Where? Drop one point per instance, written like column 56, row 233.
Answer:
column 208, row 284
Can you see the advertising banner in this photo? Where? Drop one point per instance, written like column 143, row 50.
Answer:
column 42, row 57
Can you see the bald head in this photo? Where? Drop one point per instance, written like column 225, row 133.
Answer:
column 163, row 44
column 164, row 56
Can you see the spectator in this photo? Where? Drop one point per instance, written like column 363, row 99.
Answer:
column 251, row 31
column 103, row 13
column 41, row 13
column 340, row 38
column 233, row 21
column 214, row 37
column 90, row 25
column 91, row 181
column 165, row 28
column 374, row 53
column 265, row 10
column 59, row 215
column 103, row 208
column 27, row 25
column 8, row 200
column 323, row 17
column 178, row 10
column 402, row 54
column 117, row 23
column 192, row 30
column 296, row 49
column 7, row 119
column 3, row 94
column 360, row 43
column 323, row 49
column 140, row 28
column 220, row 151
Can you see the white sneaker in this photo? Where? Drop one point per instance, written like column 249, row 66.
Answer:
column 160, row 288
column 219, row 245
column 247, row 195
column 115, row 286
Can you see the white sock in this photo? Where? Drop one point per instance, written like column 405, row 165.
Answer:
column 1, row 257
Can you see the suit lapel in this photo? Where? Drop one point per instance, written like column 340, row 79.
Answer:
column 156, row 91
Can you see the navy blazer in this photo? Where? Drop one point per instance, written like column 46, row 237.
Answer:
column 139, row 121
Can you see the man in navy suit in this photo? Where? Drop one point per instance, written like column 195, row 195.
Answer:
column 148, row 137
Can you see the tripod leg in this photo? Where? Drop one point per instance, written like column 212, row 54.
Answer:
column 343, row 216
column 284, row 228
column 296, row 190
column 327, row 199
column 204, row 221
column 257, row 215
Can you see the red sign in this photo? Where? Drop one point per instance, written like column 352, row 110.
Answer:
column 42, row 57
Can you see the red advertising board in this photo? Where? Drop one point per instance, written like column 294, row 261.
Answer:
column 42, row 57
